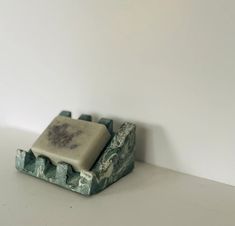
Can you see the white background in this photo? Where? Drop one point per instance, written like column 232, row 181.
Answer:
column 167, row 65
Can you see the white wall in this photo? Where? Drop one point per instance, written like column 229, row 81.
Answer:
column 167, row 65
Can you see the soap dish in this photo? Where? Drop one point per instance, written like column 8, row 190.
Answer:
column 82, row 156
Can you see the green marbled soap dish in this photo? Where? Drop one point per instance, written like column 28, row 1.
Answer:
column 115, row 160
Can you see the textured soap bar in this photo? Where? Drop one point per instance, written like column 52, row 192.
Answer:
column 72, row 141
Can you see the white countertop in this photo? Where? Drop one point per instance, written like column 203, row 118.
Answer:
column 148, row 196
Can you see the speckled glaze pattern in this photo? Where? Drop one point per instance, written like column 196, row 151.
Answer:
column 116, row 161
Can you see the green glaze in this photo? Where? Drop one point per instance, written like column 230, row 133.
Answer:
column 116, row 161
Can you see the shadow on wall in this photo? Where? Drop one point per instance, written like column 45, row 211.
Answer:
column 154, row 146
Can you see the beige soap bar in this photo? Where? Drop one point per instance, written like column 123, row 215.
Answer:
column 73, row 141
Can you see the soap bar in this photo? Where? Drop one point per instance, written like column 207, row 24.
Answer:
column 76, row 142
